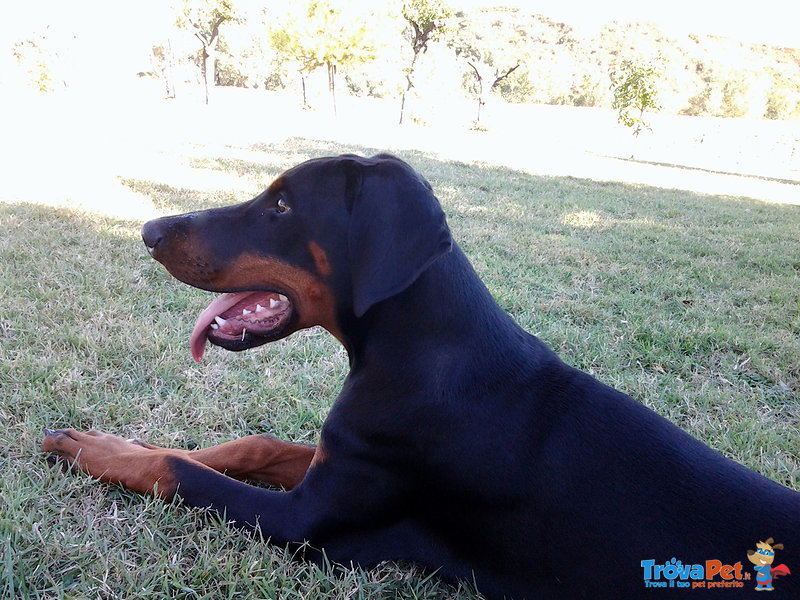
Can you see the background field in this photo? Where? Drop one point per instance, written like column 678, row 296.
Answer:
column 688, row 301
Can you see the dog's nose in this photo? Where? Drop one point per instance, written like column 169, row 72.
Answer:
column 152, row 234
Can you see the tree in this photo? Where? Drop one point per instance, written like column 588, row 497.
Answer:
column 495, row 77
column 293, row 38
column 634, row 88
column 164, row 59
column 320, row 33
column 491, row 49
column 426, row 19
column 204, row 18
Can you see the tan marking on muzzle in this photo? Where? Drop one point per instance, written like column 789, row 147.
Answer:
column 314, row 303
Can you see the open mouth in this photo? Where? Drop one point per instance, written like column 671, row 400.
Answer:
column 241, row 320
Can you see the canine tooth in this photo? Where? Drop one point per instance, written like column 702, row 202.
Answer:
column 259, row 308
column 220, row 320
column 246, row 312
column 283, row 298
column 273, row 303
column 244, row 332
column 214, row 326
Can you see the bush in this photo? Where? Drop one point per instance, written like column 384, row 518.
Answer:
column 735, row 101
column 589, row 92
column 783, row 99
column 517, row 87
column 699, row 104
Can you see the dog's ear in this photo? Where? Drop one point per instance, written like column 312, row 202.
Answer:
column 397, row 228
column 777, row 546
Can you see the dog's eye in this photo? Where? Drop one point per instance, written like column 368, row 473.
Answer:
column 282, row 206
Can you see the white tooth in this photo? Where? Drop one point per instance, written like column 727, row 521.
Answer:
column 259, row 308
column 283, row 298
column 244, row 332
column 273, row 303
column 220, row 320
column 246, row 312
column 214, row 326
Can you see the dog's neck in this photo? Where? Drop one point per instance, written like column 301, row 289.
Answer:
column 448, row 307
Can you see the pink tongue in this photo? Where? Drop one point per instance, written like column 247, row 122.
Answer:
column 197, row 341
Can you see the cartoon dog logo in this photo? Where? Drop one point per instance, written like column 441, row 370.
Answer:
column 763, row 559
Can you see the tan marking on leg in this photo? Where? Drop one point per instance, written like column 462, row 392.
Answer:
column 259, row 458
column 115, row 460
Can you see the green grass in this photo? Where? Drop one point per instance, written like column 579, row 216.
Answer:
column 689, row 303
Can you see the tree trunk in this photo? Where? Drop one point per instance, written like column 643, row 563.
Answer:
column 481, row 102
column 168, row 70
column 332, row 85
column 402, row 107
column 410, row 84
column 209, row 71
column 303, row 84
column 209, row 42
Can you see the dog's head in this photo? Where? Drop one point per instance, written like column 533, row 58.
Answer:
column 765, row 552
column 329, row 238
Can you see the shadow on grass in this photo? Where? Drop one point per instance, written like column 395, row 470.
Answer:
column 275, row 158
column 704, row 170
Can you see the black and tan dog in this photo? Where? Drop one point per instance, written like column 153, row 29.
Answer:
column 458, row 441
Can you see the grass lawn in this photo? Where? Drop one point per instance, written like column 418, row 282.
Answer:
column 689, row 303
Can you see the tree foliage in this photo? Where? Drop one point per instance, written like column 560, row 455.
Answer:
column 635, row 92
column 318, row 33
column 30, row 55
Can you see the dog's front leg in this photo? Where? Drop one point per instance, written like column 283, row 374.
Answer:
column 167, row 473
column 260, row 457
column 335, row 495
column 142, row 468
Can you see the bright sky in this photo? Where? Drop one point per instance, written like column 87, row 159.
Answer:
column 763, row 21
column 126, row 30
